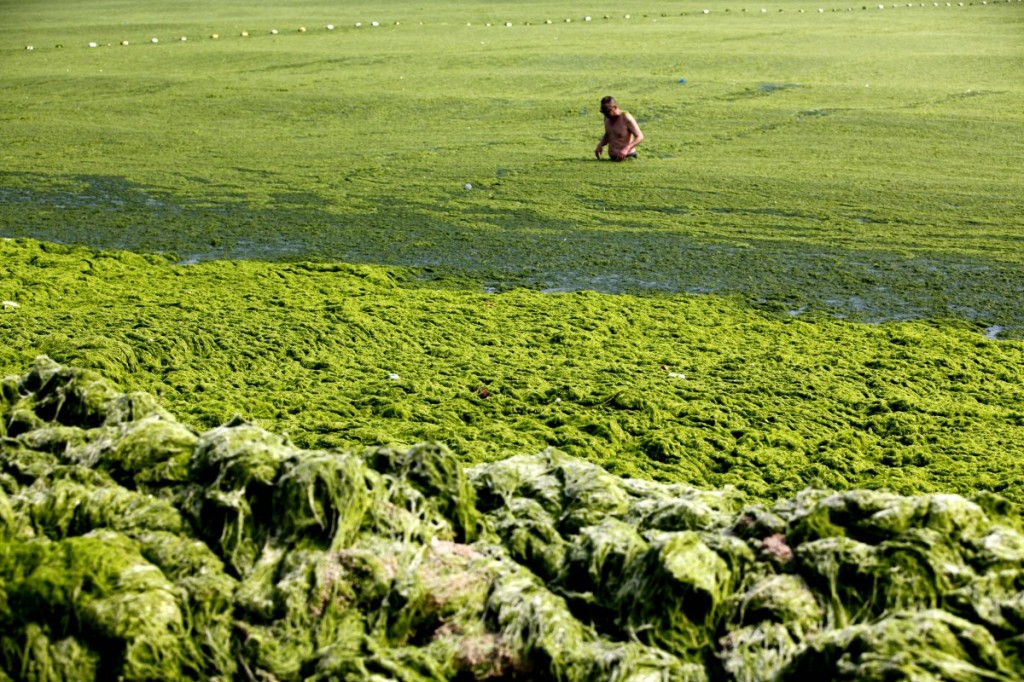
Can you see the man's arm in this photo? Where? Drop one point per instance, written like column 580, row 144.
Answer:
column 638, row 135
column 601, row 145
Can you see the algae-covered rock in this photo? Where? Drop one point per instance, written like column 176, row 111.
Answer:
column 435, row 473
column 97, row 587
column 62, row 507
column 784, row 599
column 674, row 596
column 33, row 655
column 64, row 395
column 683, row 508
column 204, row 589
column 134, row 548
column 531, row 537
column 230, row 491
column 548, row 642
column 321, row 498
column 149, row 452
column 752, row 653
column 574, row 492
column 595, row 565
column 7, row 522
column 920, row 645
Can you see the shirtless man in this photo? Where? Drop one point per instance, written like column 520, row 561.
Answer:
column 621, row 133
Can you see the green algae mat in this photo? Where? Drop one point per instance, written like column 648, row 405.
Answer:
column 691, row 389
column 453, row 400
column 133, row 547
column 857, row 159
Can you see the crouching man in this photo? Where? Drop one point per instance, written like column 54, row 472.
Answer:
column 621, row 133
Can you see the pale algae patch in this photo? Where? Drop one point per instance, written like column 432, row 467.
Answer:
column 136, row 548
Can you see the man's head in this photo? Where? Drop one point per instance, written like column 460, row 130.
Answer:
column 609, row 107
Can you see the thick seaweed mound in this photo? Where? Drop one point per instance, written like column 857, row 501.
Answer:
column 133, row 548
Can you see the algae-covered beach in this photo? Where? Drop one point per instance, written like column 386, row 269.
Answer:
column 136, row 548
column 331, row 352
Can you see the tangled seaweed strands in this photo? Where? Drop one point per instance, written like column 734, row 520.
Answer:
column 767, row 404
column 131, row 547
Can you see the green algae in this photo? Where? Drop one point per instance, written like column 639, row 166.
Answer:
column 920, row 645
column 775, row 178
column 858, row 163
column 691, row 389
column 361, row 566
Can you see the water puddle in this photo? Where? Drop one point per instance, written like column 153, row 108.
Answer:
column 774, row 87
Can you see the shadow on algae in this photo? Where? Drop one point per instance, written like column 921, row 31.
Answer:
column 135, row 548
column 504, row 249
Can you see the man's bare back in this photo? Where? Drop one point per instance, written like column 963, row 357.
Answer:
column 621, row 132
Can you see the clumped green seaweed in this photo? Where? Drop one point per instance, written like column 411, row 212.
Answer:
column 803, row 523
column 687, row 389
column 258, row 559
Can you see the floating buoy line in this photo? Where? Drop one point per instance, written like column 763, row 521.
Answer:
column 329, row 27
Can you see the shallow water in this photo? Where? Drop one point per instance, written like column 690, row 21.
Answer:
column 791, row 277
